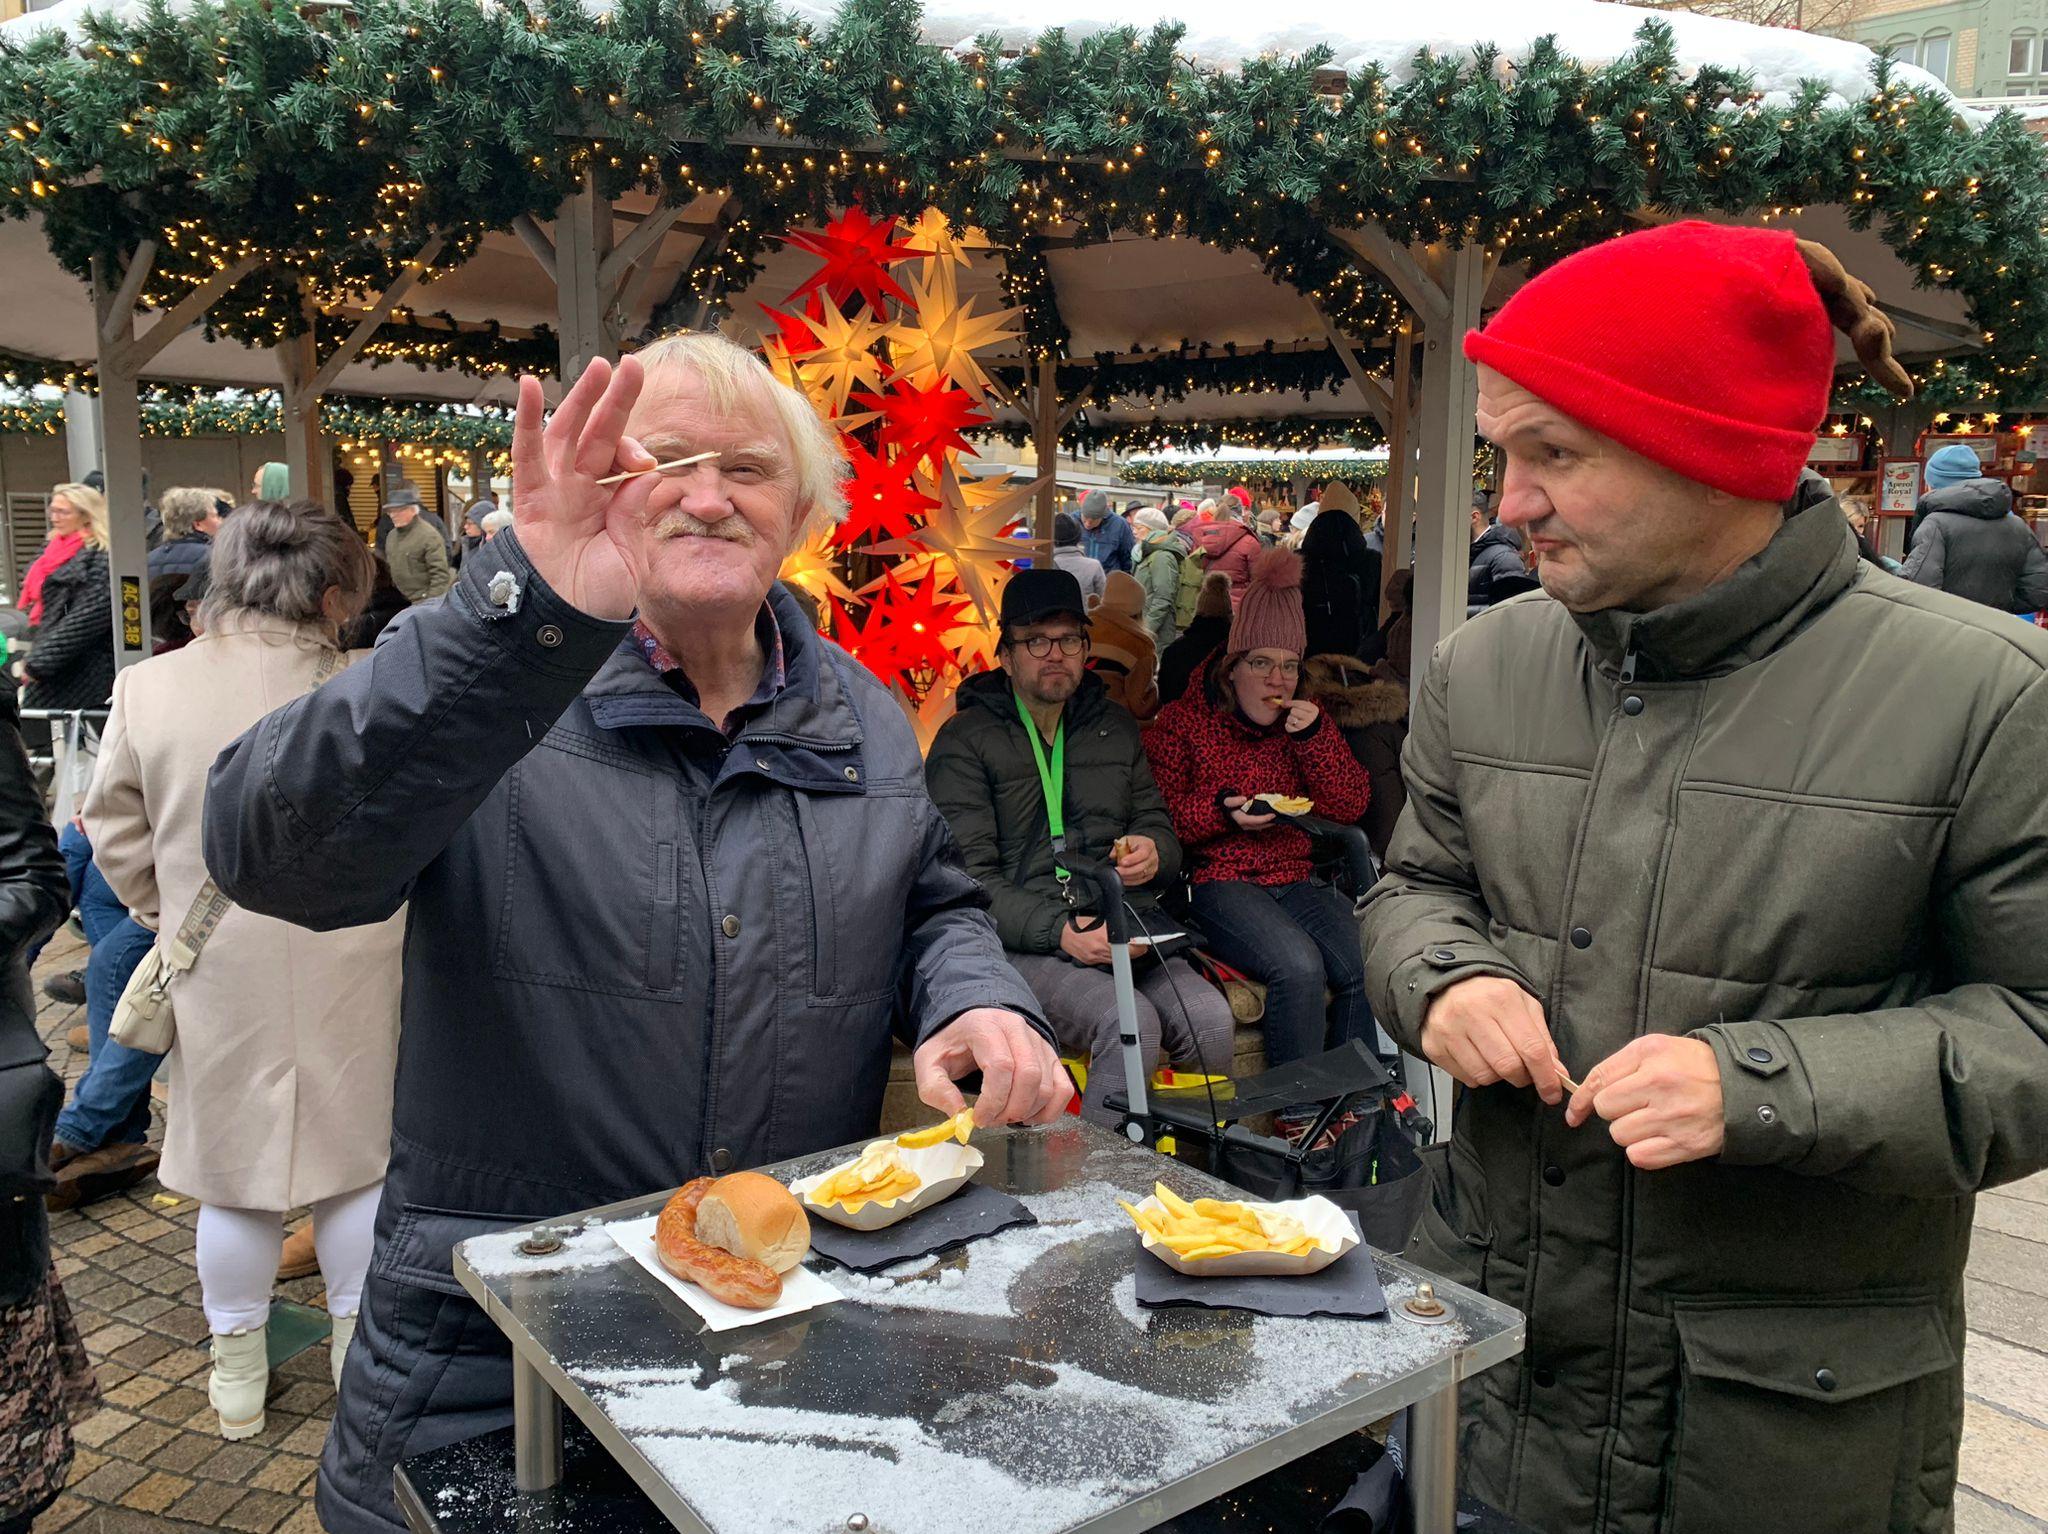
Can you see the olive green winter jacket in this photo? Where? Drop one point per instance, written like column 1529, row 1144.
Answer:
column 1799, row 816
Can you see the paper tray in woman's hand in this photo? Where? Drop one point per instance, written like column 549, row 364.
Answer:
column 942, row 1171
column 1325, row 1223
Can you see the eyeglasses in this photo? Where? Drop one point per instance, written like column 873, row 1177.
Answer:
column 1265, row 666
column 1040, row 645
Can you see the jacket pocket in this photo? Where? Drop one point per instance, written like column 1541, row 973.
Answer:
column 1453, row 1239
column 1813, row 1417
column 858, row 856
column 420, row 1249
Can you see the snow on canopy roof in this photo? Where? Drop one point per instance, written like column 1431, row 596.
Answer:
column 1221, row 34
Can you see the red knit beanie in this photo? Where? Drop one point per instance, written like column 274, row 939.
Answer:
column 1703, row 348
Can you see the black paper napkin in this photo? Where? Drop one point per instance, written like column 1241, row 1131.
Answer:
column 1348, row 1287
column 977, row 1210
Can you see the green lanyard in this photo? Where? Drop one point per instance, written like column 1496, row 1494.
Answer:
column 1052, row 779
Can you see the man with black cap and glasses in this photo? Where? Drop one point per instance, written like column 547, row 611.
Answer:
column 1039, row 761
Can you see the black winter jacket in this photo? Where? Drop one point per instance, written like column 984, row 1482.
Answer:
column 34, row 895
column 1969, row 544
column 982, row 775
column 72, row 659
column 1201, row 638
column 181, row 556
column 637, row 951
column 1340, row 585
column 1495, row 553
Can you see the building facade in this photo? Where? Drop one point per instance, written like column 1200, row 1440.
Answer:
column 1991, row 49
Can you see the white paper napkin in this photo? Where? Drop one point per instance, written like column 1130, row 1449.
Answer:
column 801, row 1288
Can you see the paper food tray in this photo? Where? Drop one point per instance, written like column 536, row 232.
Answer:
column 943, row 1170
column 1323, row 1220
column 801, row 1288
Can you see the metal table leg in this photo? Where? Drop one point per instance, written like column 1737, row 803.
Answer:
column 1432, row 1477
column 536, row 1429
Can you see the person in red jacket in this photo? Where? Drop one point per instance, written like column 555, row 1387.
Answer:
column 1229, row 546
column 1239, row 732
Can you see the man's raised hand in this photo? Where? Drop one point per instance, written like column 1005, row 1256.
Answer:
column 578, row 533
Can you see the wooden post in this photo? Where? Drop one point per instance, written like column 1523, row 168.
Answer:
column 1045, row 439
column 1450, row 396
column 307, row 454
column 1400, row 463
column 583, row 241
column 120, row 445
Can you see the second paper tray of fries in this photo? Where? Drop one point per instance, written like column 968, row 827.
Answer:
column 1210, row 1238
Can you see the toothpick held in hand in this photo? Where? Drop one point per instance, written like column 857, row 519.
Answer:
column 1567, row 1080
column 673, row 463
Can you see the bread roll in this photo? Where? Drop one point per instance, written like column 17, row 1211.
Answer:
column 752, row 1215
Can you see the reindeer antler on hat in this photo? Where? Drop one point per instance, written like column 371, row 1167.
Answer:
column 1852, row 308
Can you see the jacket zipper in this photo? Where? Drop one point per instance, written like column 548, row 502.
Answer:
column 1628, row 667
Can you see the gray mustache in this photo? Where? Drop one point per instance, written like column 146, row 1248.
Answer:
column 680, row 524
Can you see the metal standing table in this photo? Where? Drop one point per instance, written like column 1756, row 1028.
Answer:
column 1011, row 1385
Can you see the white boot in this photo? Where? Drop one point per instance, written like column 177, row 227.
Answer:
column 337, row 1344
column 241, row 1379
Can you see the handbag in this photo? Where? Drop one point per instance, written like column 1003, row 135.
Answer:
column 30, row 1095
column 143, row 1019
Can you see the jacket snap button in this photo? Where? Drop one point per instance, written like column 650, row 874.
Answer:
column 730, row 926
column 1581, row 938
column 1444, row 956
column 1760, row 1056
column 721, row 1159
column 853, row 774
column 1631, row 705
column 1767, row 1114
column 1544, row 1377
column 547, row 636
column 1554, row 1175
column 1825, row 1378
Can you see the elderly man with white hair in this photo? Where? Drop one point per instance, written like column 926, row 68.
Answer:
column 673, row 872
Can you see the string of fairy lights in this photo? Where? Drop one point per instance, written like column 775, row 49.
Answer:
column 331, row 142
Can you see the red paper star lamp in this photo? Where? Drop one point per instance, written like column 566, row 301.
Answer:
column 925, row 424
column 858, row 252
column 905, row 629
column 881, row 502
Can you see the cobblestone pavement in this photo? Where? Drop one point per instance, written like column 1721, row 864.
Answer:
column 152, row 1460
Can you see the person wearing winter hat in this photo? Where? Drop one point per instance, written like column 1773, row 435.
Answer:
column 1068, row 555
column 1238, row 733
column 1967, row 541
column 1341, row 576
column 1161, row 552
column 1204, row 633
column 1106, row 537
column 1124, row 654
column 1038, row 751
column 1617, row 891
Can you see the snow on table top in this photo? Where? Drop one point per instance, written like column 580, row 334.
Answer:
column 1221, row 34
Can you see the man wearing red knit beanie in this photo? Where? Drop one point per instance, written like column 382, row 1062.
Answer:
column 1722, row 892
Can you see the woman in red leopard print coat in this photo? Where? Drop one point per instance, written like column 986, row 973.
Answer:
column 1239, row 732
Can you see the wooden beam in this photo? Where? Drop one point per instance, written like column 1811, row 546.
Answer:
column 133, row 276
column 1008, row 396
column 1450, row 396
column 1400, row 468
column 377, row 314
column 180, row 315
column 1045, row 439
column 1378, row 398
column 1074, row 406
column 119, row 411
column 1372, row 244
column 534, row 240
column 611, row 273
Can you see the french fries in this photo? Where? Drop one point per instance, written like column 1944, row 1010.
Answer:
column 877, row 1177
column 1212, row 1228
column 1287, row 804
column 958, row 1127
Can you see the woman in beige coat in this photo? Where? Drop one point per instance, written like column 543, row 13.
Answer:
column 281, row 1075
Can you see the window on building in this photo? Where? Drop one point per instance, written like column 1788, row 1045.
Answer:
column 1934, row 49
column 2019, row 90
column 1905, row 49
column 2020, row 54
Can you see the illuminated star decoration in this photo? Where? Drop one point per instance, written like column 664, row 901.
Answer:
column 858, row 252
column 814, row 565
column 841, row 357
column 932, row 236
column 966, row 530
column 880, row 501
column 907, row 628
column 927, row 715
column 925, row 423
column 940, row 345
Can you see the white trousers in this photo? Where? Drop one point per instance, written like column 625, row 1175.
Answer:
column 239, row 1250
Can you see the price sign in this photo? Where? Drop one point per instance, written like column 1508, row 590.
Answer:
column 131, row 612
